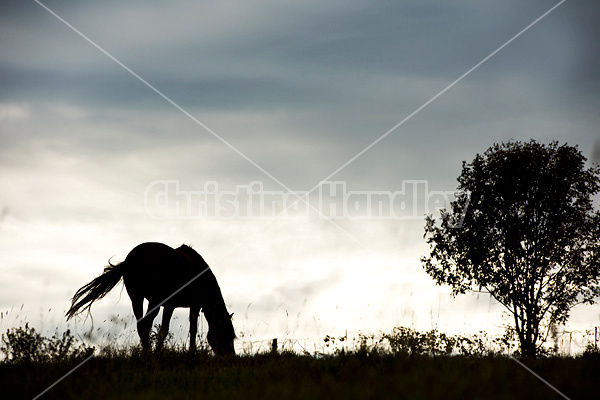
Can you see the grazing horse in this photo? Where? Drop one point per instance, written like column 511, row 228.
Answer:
column 169, row 278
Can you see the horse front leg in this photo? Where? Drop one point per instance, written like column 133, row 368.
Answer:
column 164, row 326
column 194, row 312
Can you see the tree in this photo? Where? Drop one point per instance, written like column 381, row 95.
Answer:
column 523, row 229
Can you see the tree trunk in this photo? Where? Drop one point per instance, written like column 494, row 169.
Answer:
column 528, row 345
column 525, row 332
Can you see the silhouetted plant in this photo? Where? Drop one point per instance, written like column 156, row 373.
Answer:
column 338, row 345
column 591, row 350
column 474, row 345
column 158, row 343
column 404, row 340
column 505, row 343
column 367, row 343
column 408, row 341
column 24, row 344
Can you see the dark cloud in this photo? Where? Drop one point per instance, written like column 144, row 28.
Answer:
column 582, row 18
column 296, row 56
column 335, row 78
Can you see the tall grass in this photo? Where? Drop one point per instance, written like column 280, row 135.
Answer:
column 173, row 374
column 407, row 368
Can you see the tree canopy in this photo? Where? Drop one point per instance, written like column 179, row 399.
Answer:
column 522, row 228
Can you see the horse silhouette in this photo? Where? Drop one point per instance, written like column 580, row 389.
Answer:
column 169, row 278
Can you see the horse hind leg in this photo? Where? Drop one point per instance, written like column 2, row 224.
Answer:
column 164, row 326
column 144, row 323
column 138, row 310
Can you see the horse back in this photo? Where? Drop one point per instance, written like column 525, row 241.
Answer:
column 155, row 271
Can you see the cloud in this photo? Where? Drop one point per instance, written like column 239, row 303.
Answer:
column 13, row 111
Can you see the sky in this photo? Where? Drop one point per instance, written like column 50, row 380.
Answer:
column 156, row 99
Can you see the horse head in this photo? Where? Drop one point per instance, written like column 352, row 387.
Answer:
column 221, row 334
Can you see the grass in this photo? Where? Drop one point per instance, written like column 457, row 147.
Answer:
column 130, row 374
column 413, row 365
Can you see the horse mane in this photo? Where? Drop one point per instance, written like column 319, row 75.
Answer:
column 217, row 305
column 193, row 254
column 208, row 278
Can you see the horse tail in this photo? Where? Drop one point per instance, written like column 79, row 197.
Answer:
column 96, row 289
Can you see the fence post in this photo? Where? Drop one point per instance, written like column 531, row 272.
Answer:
column 274, row 346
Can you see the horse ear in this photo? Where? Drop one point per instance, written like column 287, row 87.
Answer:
column 230, row 315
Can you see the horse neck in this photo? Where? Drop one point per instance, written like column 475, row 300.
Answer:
column 213, row 304
column 215, row 311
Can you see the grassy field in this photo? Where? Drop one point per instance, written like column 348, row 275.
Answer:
column 358, row 375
